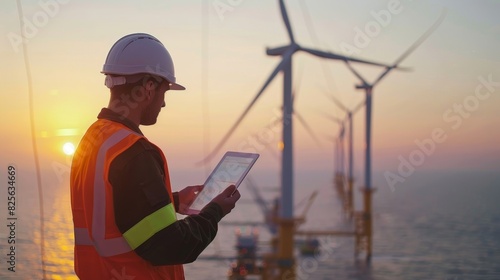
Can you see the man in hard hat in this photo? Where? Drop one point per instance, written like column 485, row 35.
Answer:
column 124, row 211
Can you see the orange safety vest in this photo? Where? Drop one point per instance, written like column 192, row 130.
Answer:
column 101, row 251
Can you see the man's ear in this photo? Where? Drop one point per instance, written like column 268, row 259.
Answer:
column 150, row 85
column 150, row 89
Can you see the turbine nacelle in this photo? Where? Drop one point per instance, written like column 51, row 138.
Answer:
column 279, row 51
column 363, row 86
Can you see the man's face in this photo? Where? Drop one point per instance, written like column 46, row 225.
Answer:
column 151, row 112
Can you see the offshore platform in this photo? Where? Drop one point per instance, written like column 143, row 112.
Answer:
column 269, row 265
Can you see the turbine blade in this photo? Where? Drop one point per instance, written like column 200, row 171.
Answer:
column 277, row 51
column 336, row 101
column 332, row 118
column 359, row 106
column 342, row 131
column 273, row 152
column 269, row 147
column 284, row 14
column 356, row 73
column 330, row 138
column 276, row 122
column 330, row 55
column 307, row 127
column 257, row 196
column 296, row 86
column 423, row 37
column 415, row 45
column 278, row 68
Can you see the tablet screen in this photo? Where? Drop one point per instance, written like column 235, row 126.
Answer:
column 231, row 170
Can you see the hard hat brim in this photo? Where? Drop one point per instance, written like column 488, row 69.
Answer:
column 175, row 86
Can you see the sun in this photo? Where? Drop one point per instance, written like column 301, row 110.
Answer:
column 68, row 148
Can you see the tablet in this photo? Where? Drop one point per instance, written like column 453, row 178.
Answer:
column 231, row 170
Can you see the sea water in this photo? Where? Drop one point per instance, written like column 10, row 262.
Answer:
column 435, row 225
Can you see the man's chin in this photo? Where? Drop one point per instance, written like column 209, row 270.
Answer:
column 146, row 123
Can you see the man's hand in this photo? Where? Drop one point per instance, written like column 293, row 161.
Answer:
column 227, row 199
column 186, row 196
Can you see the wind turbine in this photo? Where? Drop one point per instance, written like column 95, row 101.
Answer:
column 349, row 113
column 338, row 141
column 339, row 163
column 339, row 172
column 368, row 87
column 285, row 66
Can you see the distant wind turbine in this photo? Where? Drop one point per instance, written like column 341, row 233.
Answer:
column 285, row 66
column 350, row 140
column 368, row 87
column 339, row 143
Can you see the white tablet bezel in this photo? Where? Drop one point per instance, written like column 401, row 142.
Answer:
column 217, row 172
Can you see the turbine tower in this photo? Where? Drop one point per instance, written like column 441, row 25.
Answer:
column 368, row 87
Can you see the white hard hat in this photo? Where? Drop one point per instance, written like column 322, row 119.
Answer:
column 137, row 54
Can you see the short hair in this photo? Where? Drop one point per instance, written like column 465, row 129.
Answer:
column 134, row 82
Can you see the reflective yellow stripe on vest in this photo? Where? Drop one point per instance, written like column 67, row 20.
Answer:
column 150, row 225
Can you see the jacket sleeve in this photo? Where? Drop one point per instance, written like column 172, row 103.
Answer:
column 139, row 193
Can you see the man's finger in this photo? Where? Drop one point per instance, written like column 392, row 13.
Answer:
column 229, row 190
column 197, row 188
column 236, row 195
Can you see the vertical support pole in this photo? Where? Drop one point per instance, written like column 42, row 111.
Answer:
column 350, row 197
column 336, row 159
column 286, row 261
column 367, row 216
column 368, row 187
column 286, row 231
column 368, row 171
column 342, row 150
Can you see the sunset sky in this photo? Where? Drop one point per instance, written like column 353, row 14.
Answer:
column 453, row 88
